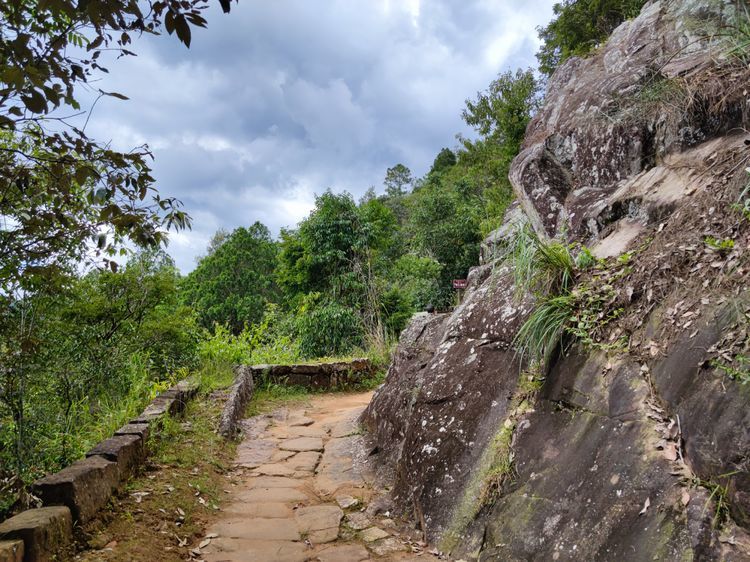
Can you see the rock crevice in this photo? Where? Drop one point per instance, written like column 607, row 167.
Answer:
column 617, row 455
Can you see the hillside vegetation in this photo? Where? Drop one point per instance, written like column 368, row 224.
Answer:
column 83, row 347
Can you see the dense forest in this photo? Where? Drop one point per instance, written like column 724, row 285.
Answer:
column 85, row 342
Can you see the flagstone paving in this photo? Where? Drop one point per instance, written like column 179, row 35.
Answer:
column 304, row 493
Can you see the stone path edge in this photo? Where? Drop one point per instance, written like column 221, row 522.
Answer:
column 76, row 493
column 313, row 375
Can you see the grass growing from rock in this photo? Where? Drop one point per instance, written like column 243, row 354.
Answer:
column 541, row 266
column 718, row 499
column 574, row 294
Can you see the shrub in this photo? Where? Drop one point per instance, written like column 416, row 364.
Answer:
column 419, row 279
column 397, row 309
column 170, row 336
column 330, row 329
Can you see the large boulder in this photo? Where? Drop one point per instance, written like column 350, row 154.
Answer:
column 446, row 394
column 636, row 454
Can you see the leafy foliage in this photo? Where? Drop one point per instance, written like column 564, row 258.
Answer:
column 78, row 362
column 444, row 225
column 328, row 330
column 502, row 112
column 579, row 26
column 62, row 189
column 500, row 115
column 234, row 282
column 397, row 180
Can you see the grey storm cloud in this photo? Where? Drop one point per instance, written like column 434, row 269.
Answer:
column 277, row 102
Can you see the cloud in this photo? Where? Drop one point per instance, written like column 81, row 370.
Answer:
column 276, row 102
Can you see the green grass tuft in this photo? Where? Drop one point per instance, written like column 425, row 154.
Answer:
column 541, row 333
column 542, row 266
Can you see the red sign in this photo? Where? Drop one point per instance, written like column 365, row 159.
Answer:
column 459, row 283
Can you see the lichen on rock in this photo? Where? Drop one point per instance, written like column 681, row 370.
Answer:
column 634, row 453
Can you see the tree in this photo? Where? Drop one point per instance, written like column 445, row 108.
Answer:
column 219, row 237
column 578, row 26
column 396, row 179
column 500, row 115
column 502, row 112
column 445, row 159
column 100, row 343
column 60, row 188
column 328, row 253
column 232, row 285
column 385, row 234
column 444, row 226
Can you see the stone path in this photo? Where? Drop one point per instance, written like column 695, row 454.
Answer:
column 304, row 493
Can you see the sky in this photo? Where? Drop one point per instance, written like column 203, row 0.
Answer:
column 278, row 101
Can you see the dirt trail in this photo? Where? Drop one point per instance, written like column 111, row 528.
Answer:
column 304, row 492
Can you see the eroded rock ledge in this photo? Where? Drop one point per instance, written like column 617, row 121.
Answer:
column 611, row 456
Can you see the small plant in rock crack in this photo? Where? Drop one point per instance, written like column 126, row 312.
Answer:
column 549, row 269
column 743, row 202
column 501, row 468
column 722, row 246
column 738, row 370
column 731, row 355
column 736, row 35
column 719, row 495
column 502, row 464
column 593, row 314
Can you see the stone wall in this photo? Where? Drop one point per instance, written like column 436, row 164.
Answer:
column 76, row 493
column 315, row 376
column 239, row 396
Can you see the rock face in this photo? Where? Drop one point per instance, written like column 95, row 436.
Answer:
column 601, row 128
column 642, row 452
column 11, row 551
column 446, row 394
